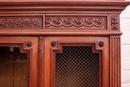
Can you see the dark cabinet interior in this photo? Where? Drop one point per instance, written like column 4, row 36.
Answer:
column 13, row 67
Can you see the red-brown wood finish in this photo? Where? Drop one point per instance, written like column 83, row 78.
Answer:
column 115, row 62
column 42, row 27
column 30, row 48
column 76, row 41
column 41, row 61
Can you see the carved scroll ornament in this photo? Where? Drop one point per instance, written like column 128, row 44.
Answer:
column 90, row 22
column 22, row 22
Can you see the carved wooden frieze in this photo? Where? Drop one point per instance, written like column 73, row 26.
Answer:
column 114, row 22
column 21, row 22
column 85, row 22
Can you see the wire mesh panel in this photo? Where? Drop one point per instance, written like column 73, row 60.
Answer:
column 77, row 66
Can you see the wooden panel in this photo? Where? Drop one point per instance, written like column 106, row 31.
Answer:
column 76, row 22
column 20, row 22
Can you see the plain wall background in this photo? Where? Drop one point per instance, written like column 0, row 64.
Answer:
column 125, row 47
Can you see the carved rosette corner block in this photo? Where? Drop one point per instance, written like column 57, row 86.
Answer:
column 53, row 43
column 29, row 44
column 114, row 22
column 100, row 43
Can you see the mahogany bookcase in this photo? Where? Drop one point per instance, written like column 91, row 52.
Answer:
column 60, row 43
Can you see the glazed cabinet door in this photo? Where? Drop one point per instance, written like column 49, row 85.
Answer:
column 18, row 61
column 76, row 62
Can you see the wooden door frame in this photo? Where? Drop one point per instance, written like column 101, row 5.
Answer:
column 54, row 45
column 28, row 45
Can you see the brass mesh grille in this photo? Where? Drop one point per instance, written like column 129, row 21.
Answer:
column 77, row 66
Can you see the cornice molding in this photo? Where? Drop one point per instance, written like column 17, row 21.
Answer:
column 77, row 3
column 64, row 5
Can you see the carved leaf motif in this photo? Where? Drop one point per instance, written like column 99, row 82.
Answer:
column 114, row 23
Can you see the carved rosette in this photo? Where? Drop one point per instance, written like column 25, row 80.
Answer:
column 101, row 43
column 53, row 43
column 29, row 44
column 21, row 22
column 73, row 22
column 114, row 22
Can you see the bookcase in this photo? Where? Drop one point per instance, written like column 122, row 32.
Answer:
column 60, row 43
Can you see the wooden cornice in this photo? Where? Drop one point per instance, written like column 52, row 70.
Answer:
column 64, row 5
column 61, row 17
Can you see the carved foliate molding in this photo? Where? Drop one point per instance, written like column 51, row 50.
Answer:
column 114, row 22
column 20, row 22
column 75, row 22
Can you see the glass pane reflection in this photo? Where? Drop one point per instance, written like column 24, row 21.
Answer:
column 13, row 67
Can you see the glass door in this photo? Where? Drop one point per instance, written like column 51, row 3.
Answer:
column 18, row 61
column 13, row 67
